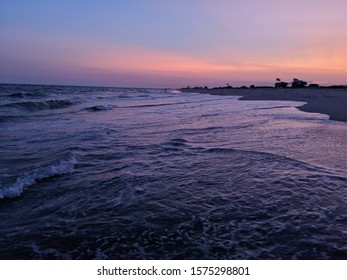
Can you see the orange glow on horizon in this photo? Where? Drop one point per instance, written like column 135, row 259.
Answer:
column 315, row 63
column 167, row 43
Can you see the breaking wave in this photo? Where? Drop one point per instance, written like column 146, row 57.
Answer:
column 22, row 183
column 40, row 105
column 162, row 175
column 100, row 108
column 28, row 94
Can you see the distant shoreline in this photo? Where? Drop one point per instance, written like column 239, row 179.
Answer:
column 329, row 101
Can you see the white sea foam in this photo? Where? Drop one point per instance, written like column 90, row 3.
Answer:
column 22, row 183
column 170, row 176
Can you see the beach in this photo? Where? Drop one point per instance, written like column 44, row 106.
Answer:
column 327, row 101
column 141, row 174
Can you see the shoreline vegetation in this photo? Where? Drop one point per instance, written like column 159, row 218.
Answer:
column 331, row 100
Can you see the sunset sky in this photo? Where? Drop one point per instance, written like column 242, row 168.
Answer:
column 172, row 43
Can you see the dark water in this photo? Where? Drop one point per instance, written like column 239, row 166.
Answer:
column 111, row 173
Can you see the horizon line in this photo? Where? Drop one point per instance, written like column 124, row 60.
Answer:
column 137, row 87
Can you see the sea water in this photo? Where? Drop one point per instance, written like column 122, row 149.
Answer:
column 119, row 173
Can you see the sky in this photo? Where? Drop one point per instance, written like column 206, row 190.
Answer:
column 172, row 43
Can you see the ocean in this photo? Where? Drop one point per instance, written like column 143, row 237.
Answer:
column 121, row 173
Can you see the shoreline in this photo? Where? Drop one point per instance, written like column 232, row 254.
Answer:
column 331, row 102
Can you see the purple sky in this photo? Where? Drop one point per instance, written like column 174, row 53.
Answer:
column 172, row 43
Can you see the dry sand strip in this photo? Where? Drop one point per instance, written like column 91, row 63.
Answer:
column 332, row 102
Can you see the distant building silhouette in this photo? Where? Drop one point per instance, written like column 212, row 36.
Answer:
column 295, row 84
column 298, row 83
column 281, row 84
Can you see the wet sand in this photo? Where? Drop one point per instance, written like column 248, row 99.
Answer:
column 332, row 102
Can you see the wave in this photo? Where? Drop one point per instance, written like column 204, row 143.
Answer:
column 100, row 108
column 40, row 105
column 28, row 94
column 177, row 142
column 22, row 183
column 4, row 119
column 269, row 158
column 17, row 94
column 156, row 105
